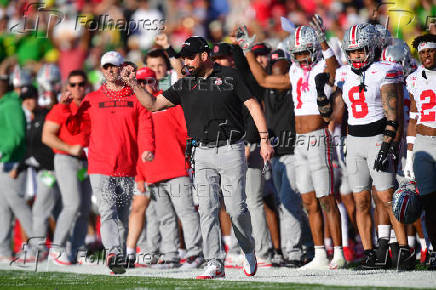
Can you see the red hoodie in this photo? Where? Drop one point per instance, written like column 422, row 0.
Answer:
column 169, row 158
column 117, row 126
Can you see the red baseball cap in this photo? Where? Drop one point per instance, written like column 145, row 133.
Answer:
column 145, row 73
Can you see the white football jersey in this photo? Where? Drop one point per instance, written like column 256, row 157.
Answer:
column 365, row 105
column 423, row 90
column 304, row 89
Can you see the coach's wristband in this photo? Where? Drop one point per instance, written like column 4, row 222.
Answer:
column 328, row 53
column 410, row 139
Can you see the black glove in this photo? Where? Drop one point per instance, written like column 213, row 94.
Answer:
column 320, row 80
column 381, row 162
column 395, row 152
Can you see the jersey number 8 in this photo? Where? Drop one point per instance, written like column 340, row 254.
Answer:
column 360, row 101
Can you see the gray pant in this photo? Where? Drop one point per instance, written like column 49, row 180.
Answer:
column 224, row 167
column 290, row 206
column 254, row 188
column 174, row 196
column 114, row 195
column 42, row 209
column 76, row 202
column 12, row 204
column 150, row 238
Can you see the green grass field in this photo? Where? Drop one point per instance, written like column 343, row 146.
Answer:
column 56, row 280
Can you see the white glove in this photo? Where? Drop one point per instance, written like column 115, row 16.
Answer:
column 318, row 25
column 408, row 167
column 244, row 40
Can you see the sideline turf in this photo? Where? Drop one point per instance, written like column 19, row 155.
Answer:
column 57, row 280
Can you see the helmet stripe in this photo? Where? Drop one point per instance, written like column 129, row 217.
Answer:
column 353, row 34
column 297, row 36
column 403, row 208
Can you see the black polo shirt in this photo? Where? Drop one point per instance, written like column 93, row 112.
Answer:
column 212, row 106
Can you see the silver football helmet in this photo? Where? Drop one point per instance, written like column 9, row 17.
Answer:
column 384, row 37
column 49, row 78
column 361, row 36
column 399, row 52
column 20, row 77
column 303, row 39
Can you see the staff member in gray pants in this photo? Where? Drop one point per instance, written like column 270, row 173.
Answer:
column 12, row 151
column 121, row 130
column 212, row 98
column 70, row 167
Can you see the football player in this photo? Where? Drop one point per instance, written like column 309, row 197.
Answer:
column 369, row 90
column 421, row 150
column 313, row 152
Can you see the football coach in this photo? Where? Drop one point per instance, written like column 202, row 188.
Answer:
column 212, row 97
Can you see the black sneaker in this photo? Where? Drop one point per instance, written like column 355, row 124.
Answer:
column 395, row 249
column 369, row 261
column 406, row 259
column 383, row 260
column 115, row 263
column 431, row 263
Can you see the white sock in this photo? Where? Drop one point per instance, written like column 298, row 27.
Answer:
column 344, row 224
column 384, row 231
column 411, row 240
column 131, row 251
column 328, row 243
column 320, row 252
column 393, row 237
column 339, row 253
column 423, row 243
column 227, row 241
column 430, row 246
column 90, row 239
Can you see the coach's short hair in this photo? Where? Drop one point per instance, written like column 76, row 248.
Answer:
column 423, row 38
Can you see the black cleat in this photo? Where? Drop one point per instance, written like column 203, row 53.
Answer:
column 383, row 260
column 369, row 261
column 395, row 249
column 277, row 259
column 115, row 265
column 130, row 261
column 406, row 259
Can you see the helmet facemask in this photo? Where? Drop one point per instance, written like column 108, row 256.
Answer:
column 360, row 63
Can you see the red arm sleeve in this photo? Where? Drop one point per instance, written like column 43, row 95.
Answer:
column 145, row 131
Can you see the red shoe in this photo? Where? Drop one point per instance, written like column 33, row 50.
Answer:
column 348, row 254
column 213, row 270
column 424, row 254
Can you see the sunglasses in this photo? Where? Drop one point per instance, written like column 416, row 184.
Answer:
column 148, row 82
column 81, row 84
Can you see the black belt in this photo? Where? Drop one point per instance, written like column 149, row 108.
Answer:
column 368, row 130
column 219, row 143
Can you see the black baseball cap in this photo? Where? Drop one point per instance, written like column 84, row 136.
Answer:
column 277, row 55
column 194, row 45
column 28, row 92
column 221, row 50
column 260, row 48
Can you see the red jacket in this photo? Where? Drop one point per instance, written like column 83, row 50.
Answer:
column 120, row 127
column 170, row 137
column 60, row 116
